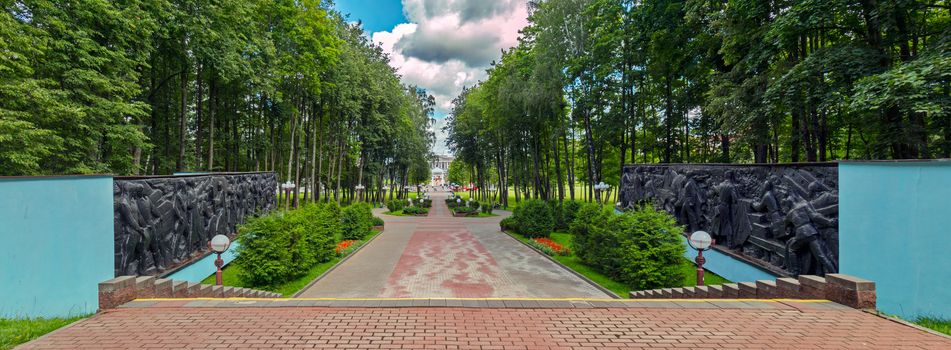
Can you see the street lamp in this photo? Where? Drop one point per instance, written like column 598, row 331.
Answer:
column 601, row 187
column 359, row 188
column 288, row 187
column 700, row 241
column 219, row 244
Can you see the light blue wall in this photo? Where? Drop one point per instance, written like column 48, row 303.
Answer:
column 894, row 229
column 728, row 267
column 56, row 244
column 203, row 268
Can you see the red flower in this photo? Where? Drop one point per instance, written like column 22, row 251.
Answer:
column 557, row 248
column 344, row 245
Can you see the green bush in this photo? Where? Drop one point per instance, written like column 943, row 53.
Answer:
column 356, row 221
column 486, row 208
column 465, row 210
column 533, row 218
column 284, row 245
column 569, row 211
column 377, row 221
column 557, row 216
column 395, row 205
column 424, row 203
column 641, row 248
column 415, row 211
column 508, row 224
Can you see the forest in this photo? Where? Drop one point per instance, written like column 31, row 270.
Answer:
column 150, row 87
column 595, row 84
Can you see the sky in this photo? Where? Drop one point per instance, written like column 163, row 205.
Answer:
column 440, row 45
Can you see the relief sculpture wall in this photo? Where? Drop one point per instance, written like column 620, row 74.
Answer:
column 781, row 217
column 163, row 222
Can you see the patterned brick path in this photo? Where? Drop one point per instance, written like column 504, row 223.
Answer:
column 441, row 256
column 640, row 325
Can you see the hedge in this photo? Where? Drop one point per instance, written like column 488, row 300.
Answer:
column 357, row 221
column 282, row 246
column 533, row 218
column 395, row 205
column 642, row 248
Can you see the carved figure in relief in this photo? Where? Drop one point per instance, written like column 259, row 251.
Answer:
column 802, row 218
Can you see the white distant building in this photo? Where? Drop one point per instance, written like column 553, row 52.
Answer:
column 440, row 171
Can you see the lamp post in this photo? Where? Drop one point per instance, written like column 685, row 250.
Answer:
column 700, row 241
column 219, row 244
column 288, row 187
column 359, row 188
column 601, row 187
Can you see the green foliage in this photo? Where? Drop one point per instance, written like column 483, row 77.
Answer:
column 942, row 325
column 569, row 211
column 486, row 208
column 415, row 211
column 462, row 209
column 281, row 246
column 377, row 221
column 395, row 205
column 642, row 248
column 356, row 221
column 17, row 331
column 509, row 224
column 534, row 219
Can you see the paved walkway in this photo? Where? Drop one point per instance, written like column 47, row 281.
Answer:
column 441, row 256
column 567, row 324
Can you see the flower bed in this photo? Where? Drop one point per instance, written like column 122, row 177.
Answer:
column 549, row 247
column 344, row 245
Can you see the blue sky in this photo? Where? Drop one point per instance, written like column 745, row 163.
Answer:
column 440, row 45
column 377, row 15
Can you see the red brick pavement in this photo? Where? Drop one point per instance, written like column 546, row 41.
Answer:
column 487, row 328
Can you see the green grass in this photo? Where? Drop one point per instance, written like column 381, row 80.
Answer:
column 16, row 331
column 229, row 276
column 942, row 325
column 688, row 269
column 395, row 213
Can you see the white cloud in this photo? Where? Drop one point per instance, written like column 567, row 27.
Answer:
column 450, row 43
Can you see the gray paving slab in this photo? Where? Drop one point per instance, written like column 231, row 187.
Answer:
column 440, row 256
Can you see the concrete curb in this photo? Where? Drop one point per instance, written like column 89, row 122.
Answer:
column 573, row 272
column 332, row 268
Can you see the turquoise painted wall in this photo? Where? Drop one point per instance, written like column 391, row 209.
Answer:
column 56, row 244
column 728, row 267
column 199, row 270
column 894, row 226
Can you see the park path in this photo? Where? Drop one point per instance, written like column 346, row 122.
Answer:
column 441, row 256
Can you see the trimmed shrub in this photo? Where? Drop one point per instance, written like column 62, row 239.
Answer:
column 533, row 219
column 415, row 211
column 377, row 221
column 508, row 224
column 356, row 221
column 641, row 248
column 281, row 246
column 465, row 210
column 395, row 205
column 569, row 211
column 486, row 208
column 557, row 216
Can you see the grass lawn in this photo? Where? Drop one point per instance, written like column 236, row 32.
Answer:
column 229, row 276
column 16, row 331
column 689, row 270
column 395, row 213
column 937, row 324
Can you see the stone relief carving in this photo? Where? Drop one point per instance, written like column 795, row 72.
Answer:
column 163, row 222
column 782, row 217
